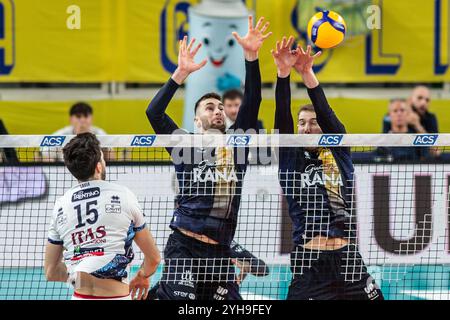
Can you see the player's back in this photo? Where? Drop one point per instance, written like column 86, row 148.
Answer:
column 96, row 222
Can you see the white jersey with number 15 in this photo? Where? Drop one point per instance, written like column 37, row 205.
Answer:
column 96, row 222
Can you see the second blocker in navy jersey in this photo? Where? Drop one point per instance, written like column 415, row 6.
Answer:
column 317, row 183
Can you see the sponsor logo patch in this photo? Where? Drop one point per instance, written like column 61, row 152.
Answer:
column 113, row 208
column 86, row 194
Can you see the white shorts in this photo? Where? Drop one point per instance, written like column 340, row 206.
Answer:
column 77, row 296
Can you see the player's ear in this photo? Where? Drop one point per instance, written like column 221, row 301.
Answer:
column 99, row 167
column 197, row 122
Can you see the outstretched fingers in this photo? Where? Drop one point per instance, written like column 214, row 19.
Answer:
column 237, row 37
column 302, row 51
column 183, row 45
column 194, row 52
column 308, row 51
column 290, row 42
column 283, row 43
column 266, row 26
column 201, row 64
column 191, row 43
column 265, row 36
column 318, row 54
column 259, row 24
column 250, row 22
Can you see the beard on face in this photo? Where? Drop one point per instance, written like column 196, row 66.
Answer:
column 212, row 126
column 219, row 127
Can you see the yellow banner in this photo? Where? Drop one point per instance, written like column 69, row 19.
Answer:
column 136, row 40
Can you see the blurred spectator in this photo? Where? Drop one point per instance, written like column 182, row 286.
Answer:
column 420, row 102
column 421, row 119
column 400, row 115
column 81, row 120
column 232, row 101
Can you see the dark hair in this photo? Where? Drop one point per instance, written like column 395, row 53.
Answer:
column 232, row 95
column 210, row 95
column 81, row 109
column 306, row 107
column 81, row 155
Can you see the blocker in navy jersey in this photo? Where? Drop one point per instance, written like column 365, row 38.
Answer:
column 210, row 186
column 317, row 185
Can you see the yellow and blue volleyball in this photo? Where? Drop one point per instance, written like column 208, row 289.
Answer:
column 327, row 29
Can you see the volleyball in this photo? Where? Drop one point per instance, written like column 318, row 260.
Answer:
column 326, row 29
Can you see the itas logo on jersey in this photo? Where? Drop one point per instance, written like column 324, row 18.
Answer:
column 86, row 194
column 330, row 140
column 53, row 141
column 425, row 140
column 239, row 140
column 89, row 236
column 143, row 141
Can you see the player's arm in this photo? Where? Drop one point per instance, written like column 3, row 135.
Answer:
column 147, row 244
column 247, row 117
column 156, row 111
column 140, row 284
column 284, row 58
column 144, row 240
column 54, row 267
column 326, row 118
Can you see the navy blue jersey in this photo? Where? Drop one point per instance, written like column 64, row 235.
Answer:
column 210, row 183
column 317, row 183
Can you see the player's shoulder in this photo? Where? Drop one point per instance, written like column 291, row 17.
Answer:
column 115, row 189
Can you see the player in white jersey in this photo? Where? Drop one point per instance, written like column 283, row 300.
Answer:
column 92, row 229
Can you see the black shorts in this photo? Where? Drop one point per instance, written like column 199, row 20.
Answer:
column 233, row 292
column 197, row 271
column 331, row 275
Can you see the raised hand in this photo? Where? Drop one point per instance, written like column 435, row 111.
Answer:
column 186, row 63
column 305, row 60
column 284, row 57
column 253, row 40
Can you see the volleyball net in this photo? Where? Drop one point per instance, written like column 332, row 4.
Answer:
column 398, row 208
